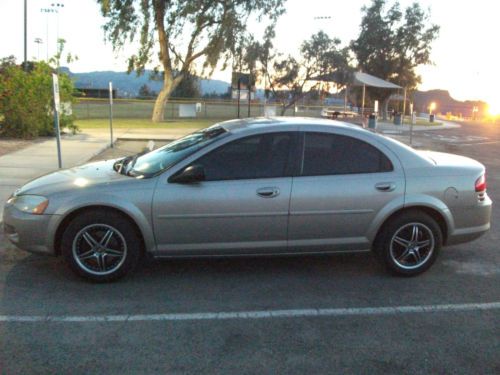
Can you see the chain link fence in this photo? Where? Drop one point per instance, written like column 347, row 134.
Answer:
column 86, row 108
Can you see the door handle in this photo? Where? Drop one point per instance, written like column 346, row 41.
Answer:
column 268, row 192
column 385, row 186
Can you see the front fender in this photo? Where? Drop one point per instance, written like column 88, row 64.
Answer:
column 138, row 215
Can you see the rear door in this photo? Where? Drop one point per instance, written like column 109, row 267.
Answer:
column 341, row 186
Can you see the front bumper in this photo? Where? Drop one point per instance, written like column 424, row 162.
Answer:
column 28, row 232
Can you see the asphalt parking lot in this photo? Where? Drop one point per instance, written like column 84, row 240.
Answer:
column 321, row 314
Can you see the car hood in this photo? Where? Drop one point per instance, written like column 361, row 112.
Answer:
column 83, row 176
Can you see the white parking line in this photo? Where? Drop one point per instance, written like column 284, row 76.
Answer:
column 295, row 313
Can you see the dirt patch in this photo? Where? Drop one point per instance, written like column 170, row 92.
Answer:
column 8, row 145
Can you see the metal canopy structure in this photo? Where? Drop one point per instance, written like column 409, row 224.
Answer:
column 365, row 79
column 360, row 79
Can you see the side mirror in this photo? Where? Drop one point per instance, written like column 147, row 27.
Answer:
column 193, row 173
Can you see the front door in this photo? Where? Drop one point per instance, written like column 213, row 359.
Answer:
column 241, row 206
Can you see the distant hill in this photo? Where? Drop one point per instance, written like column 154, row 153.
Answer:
column 445, row 103
column 128, row 85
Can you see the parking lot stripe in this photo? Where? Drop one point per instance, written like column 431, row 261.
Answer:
column 265, row 314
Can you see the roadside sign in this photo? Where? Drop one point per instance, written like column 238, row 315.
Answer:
column 111, row 93
column 111, row 143
column 57, row 108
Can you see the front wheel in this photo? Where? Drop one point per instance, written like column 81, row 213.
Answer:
column 101, row 246
column 409, row 244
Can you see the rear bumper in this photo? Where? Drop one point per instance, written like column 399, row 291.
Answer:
column 26, row 231
column 477, row 220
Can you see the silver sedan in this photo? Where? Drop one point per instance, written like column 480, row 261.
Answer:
column 255, row 187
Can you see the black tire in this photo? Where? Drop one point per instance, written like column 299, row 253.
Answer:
column 401, row 252
column 101, row 245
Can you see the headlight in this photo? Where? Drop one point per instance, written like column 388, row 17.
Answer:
column 31, row 204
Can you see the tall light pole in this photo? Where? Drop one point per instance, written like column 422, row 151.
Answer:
column 25, row 34
column 47, row 11
column 38, row 41
column 56, row 7
column 432, row 108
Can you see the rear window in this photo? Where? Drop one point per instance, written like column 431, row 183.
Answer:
column 332, row 154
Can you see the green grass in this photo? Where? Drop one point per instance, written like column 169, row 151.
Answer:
column 428, row 123
column 124, row 123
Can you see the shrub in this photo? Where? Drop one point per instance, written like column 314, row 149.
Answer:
column 26, row 108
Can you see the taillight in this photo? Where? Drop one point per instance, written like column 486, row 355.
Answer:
column 481, row 183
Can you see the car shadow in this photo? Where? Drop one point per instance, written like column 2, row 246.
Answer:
column 37, row 284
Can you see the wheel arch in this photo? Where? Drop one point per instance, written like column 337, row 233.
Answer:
column 441, row 219
column 63, row 224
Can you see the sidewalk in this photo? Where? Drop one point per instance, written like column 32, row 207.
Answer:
column 147, row 134
column 21, row 166
column 18, row 167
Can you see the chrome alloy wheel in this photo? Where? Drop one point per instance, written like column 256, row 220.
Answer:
column 99, row 249
column 412, row 245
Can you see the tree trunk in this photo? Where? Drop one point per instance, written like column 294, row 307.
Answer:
column 161, row 102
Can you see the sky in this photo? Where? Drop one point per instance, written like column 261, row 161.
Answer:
column 466, row 55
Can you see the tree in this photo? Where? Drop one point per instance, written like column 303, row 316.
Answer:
column 189, row 87
column 185, row 31
column 290, row 79
column 392, row 44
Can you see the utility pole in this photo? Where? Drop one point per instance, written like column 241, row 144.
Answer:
column 54, row 8
column 38, row 41
column 47, row 11
column 26, row 35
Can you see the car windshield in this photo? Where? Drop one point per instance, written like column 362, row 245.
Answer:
column 148, row 165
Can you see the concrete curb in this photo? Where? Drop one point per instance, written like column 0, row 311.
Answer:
column 142, row 139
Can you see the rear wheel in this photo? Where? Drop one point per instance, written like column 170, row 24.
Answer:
column 101, row 246
column 409, row 244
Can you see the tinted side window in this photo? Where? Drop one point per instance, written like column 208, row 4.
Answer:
column 261, row 156
column 329, row 154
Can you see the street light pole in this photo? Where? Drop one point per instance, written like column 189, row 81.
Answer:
column 38, row 41
column 54, row 8
column 47, row 11
column 404, row 106
column 25, row 35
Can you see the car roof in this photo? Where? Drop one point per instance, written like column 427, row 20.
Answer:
column 252, row 123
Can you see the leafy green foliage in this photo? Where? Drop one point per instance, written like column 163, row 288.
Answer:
column 181, row 32
column 145, row 92
column 189, row 87
column 26, row 100
column 393, row 43
column 289, row 79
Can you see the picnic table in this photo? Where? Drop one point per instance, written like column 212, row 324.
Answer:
column 335, row 113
